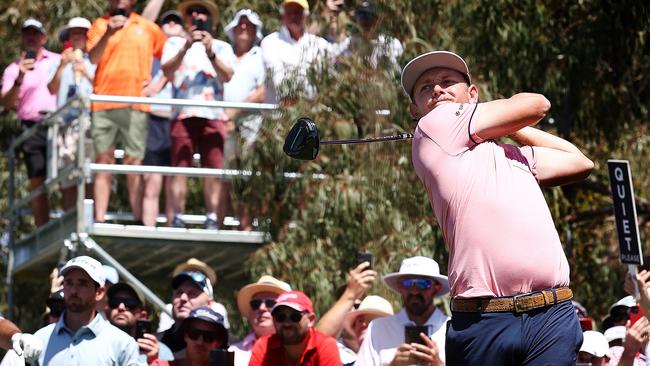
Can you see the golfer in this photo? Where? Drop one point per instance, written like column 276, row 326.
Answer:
column 507, row 271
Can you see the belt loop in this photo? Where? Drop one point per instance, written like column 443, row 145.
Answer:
column 554, row 296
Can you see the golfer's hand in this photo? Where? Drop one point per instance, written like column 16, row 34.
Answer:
column 360, row 280
column 26, row 345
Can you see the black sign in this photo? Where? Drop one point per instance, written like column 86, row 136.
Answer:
column 620, row 181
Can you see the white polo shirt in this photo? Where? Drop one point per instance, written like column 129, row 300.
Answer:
column 288, row 60
column 385, row 334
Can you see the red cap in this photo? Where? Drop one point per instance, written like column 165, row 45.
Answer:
column 296, row 300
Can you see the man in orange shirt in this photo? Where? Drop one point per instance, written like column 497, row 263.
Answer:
column 123, row 45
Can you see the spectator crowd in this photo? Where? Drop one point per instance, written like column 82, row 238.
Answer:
column 177, row 56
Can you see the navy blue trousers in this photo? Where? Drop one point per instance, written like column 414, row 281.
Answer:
column 549, row 336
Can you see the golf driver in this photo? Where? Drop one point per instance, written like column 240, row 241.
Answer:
column 303, row 140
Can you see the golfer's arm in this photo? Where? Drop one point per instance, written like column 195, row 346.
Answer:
column 7, row 329
column 502, row 117
column 558, row 161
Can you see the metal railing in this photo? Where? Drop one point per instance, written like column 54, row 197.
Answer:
column 82, row 170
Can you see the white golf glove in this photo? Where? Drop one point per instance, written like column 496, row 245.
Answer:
column 26, row 345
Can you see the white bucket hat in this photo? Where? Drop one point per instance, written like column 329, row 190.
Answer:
column 76, row 22
column 418, row 266
column 252, row 17
column 375, row 306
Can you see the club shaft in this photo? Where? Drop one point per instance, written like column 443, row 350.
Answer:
column 403, row 136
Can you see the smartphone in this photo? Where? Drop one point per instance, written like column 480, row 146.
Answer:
column 586, row 324
column 412, row 333
column 142, row 326
column 364, row 257
column 67, row 44
column 30, row 54
column 199, row 24
column 636, row 313
column 119, row 11
column 222, row 357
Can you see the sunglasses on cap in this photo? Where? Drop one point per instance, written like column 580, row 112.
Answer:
column 208, row 336
column 281, row 317
column 419, row 283
column 129, row 303
column 257, row 303
column 197, row 277
column 197, row 9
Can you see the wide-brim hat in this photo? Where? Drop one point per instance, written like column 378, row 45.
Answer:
column 417, row 66
column 266, row 283
column 374, row 306
column 252, row 17
column 196, row 265
column 76, row 22
column 420, row 267
column 208, row 4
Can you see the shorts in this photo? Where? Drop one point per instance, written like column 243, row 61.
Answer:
column 125, row 125
column 208, row 135
column 34, row 151
column 67, row 142
column 547, row 336
column 159, row 142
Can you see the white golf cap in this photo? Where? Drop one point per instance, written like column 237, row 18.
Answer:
column 33, row 23
column 91, row 266
column 614, row 333
column 421, row 267
column 252, row 17
column 594, row 343
column 417, row 66
column 110, row 274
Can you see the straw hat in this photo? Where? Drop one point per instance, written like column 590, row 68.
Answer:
column 421, row 267
column 194, row 264
column 266, row 283
column 208, row 4
column 375, row 306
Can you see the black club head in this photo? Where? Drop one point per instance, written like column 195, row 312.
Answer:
column 303, row 140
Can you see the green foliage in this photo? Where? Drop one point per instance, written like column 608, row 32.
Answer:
column 590, row 58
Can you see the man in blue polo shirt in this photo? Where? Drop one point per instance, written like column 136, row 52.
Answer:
column 80, row 336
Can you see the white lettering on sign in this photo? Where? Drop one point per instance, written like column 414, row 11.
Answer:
column 618, row 174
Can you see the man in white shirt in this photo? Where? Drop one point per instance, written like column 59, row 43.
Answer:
column 418, row 282
column 290, row 52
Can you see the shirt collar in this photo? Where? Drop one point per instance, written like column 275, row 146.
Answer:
column 249, row 340
column 284, row 32
column 95, row 325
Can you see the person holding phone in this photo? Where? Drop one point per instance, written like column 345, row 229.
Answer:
column 418, row 282
column 24, row 89
column 198, row 66
column 123, row 45
column 126, row 310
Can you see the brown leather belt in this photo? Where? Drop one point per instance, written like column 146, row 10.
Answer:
column 512, row 304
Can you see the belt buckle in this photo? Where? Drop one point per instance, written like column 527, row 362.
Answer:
column 514, row 302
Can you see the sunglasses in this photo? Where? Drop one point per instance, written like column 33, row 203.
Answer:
column 256, row 304
column 420, row 283
column 198, row 277
column 129, row 303
column 208, row 336
column 294, row 317
column 197, row 9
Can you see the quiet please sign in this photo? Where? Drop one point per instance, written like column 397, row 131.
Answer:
column 620, row 181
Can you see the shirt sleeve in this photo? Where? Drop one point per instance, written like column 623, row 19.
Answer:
column 159, row 40
column 9, row 77
column 95, row 33
column 170, row 49
column 328, row 353
column 130, row 353
column 449, row 126
column 53, row 68
column 225, row 53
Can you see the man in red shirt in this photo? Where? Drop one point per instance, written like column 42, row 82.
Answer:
column 295, row 341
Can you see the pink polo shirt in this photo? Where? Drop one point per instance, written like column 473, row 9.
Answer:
column 487, row 201
column 33, row 95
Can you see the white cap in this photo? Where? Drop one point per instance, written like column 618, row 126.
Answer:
column 417, row 66
column 110, row 274
column 614, row 333
column 33, row 23
column 252, row 17
column 418, row 266
column 89, row 265
column 594, row 343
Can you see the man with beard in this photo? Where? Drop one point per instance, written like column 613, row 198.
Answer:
column 255, row 302
column 418, row 282
column 124, row 308
column 81, row 336
column 295, row 341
